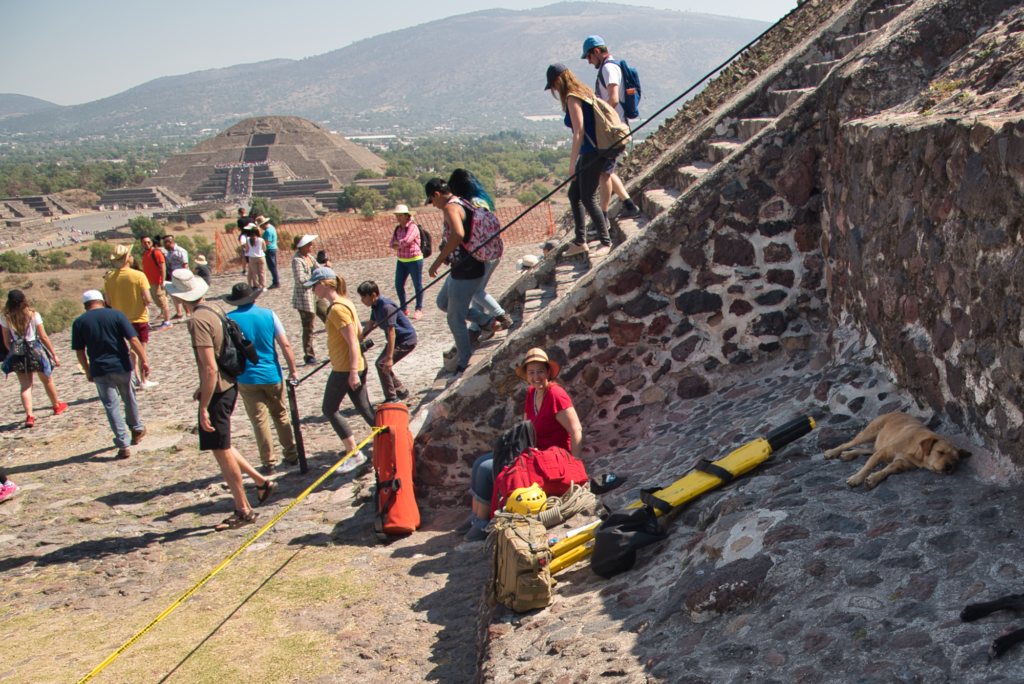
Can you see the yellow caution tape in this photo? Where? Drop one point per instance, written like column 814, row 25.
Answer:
column 198, row 585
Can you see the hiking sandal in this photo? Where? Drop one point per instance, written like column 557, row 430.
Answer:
column 237, row 520
column 265, row 491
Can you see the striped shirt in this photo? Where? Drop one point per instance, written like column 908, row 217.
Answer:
column 407, row 241
column 303, row 298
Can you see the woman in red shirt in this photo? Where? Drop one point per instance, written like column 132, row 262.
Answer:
column 554, row 419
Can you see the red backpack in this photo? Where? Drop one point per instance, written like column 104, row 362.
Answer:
column 554, row 469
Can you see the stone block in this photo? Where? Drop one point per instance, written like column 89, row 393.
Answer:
column 733, row 251
column 698, row 302
column 624, row 333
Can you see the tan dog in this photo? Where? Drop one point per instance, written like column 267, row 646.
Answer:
column 904, row 443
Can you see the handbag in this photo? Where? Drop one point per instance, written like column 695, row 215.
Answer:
column 25, row 357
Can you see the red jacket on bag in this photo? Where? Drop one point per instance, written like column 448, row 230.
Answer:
column 554, row 469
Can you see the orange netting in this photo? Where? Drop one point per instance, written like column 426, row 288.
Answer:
column 351, row 238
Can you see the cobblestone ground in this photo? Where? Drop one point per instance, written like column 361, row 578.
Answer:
column 92, row 548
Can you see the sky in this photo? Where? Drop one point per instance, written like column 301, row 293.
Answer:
column 70, row 51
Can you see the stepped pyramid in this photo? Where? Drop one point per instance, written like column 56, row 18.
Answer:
column 781, row 210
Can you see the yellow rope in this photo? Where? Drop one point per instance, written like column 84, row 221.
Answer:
column 198, row 585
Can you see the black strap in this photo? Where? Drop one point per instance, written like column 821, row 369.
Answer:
column 706, row 466
column 382, row 510
column 648, row 499
column 600, row 76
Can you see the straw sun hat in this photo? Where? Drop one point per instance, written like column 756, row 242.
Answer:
column 538, row 354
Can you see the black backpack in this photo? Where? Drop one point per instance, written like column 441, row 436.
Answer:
column 426, row 244
column 238, row 351
column 513, row 442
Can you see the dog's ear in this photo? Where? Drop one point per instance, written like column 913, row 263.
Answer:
column 926, row 446
column 963, row 453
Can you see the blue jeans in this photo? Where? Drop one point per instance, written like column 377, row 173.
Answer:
column 404, row 269
column 454, row 299
column 111, row 388
column 271, row 255
column 481, row 485
column 483, row 301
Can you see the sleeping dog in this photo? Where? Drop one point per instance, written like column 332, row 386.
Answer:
column 904, row 443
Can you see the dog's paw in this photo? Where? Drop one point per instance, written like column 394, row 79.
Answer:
column 832, row 453
column 854, row 481
column 848, row 456
column 872, row 481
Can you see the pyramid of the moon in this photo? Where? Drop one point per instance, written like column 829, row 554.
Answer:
column 267, row 156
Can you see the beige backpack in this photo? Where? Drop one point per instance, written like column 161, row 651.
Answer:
column 612, row 133
column 521, row 563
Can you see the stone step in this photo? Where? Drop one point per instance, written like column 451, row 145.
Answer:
column 623, row 229
column 537, row 300
column 847, row 44
column 720, row 151
column 748, row 128
column 688, row 175
column 814, row 74
column 781, row 100
column 658, row 200
column 568, row 273
column 875, row 20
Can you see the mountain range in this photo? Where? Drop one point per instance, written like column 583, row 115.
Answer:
column 481, row 71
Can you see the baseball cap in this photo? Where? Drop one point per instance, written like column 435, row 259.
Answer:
column 92, row 296
column 590, row 43
column 321, row 273
column 553, row 72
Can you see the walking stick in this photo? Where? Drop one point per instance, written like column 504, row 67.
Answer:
column 293, row 406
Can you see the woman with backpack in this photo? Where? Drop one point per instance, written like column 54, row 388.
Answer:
column 555, row 424
column 578, row 104
column 407, row 242
column 465, row 185
column 30, row 352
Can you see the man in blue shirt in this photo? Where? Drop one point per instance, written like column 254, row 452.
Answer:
column 270, row 249
column 401, row 337
column 100, row 338
column 260, row 386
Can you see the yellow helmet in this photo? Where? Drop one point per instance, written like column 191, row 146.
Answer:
column 527, row 500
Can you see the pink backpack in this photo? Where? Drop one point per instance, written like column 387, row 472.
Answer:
column 483, row 224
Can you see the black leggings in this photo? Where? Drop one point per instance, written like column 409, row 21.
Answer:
column 335, row 392
column 583, row 195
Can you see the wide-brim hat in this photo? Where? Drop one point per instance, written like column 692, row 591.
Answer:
column 242, row 294
column 305, row 240
column 262, row 221
column 121, row 253
column 186, row 285
column 200, row 259
column 402, row 209
column 538, row 354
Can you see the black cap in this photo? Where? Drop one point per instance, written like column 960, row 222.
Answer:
column 553, row 72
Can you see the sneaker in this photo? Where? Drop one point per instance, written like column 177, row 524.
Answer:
column 506, row 321
column 30, row 421
column 403, row 394
column 466, row 526
column 60, row 408
column 266, row 469
column 311, row 361
column 474, row 338
column 137, row 436
column 417, row 315
column 629, row 210
column 353, row 463
column 575, row 249
column 478, row 532
column 177, row 317
column 601, row 251
column 163, row 326
column 7, row 490
column 405, row 312
column 124, row 453
column 148, row 383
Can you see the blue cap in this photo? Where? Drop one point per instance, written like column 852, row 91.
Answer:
column 321, row 273
column 590, row 43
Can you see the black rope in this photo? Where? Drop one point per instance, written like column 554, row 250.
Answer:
column 602, row 155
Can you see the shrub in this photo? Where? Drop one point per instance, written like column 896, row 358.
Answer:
column 99, row 253
column 368, row 211
column 263, row 207
column 144, row 226
column 527, row 197
column 219, row 214
column 57, row 259
column 540, row 189
column 406, row 191
column 59, row 315
column 12, row 262
column 53, row 283
column 203, row 246
column 363, row 174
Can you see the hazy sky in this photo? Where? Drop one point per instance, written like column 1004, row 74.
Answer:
column 73, row 51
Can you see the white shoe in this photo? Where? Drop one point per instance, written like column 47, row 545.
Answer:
column 353, row 463
column 575, row 249
column 149, row 383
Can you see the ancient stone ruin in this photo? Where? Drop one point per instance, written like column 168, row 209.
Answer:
column 831, row 228
column 278, row 157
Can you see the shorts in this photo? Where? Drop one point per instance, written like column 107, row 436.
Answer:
column 159, row 295
column 609, row 166
column 143, row 330
column 222, row 405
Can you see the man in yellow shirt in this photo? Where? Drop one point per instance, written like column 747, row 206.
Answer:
column 127, row 290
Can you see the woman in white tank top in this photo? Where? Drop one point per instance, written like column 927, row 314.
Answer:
column 255, row 255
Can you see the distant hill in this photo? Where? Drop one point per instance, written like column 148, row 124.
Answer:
column 16, row 105
column 478, row 71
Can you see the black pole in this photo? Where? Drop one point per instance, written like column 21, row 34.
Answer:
column 293, row 405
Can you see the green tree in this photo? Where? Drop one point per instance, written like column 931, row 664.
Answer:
column 57, row 259
column 264, row 207
column 219, row 214
column 400, row 167
column 207, row 248
column 368, row 210
column 144, row 226
column 540, row 189
column 99, row 253
column 527, row 197
column 12, row 262
column 406, row 191
column 364, row 174
column 186, row 244
column 356, row 197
